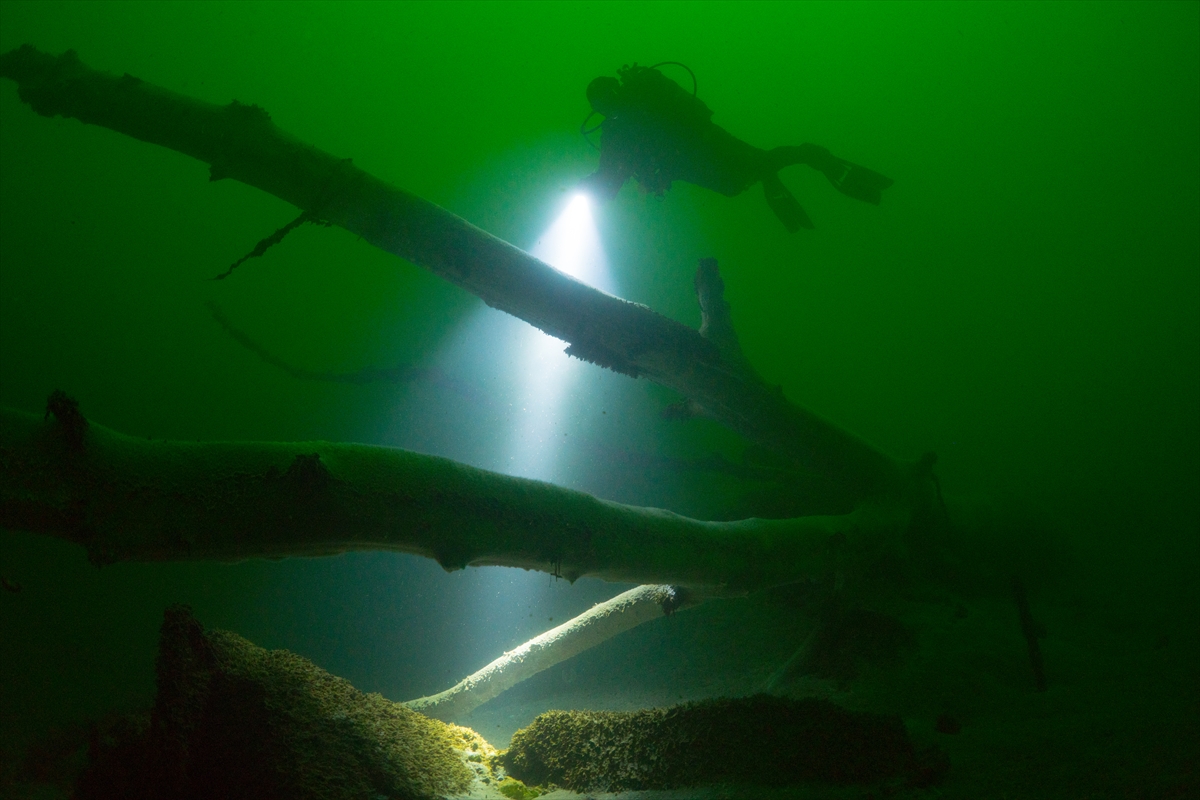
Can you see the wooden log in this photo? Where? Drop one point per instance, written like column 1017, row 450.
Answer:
column 596, row 625
column 125, row 498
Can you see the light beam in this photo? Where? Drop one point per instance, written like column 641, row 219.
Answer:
column 571, row 244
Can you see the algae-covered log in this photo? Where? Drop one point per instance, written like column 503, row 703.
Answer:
column 760, row 740
column 240, row 142
column 126, row 498
column 232, row 720
column 598, row 624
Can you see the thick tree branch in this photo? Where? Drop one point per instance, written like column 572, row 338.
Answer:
column 242, row 143
column 126, row 499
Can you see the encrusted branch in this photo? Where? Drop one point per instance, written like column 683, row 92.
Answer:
column 594, row 626
column 131, row 499
column 240, row 142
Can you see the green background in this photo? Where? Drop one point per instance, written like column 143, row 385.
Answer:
column 1025, row 302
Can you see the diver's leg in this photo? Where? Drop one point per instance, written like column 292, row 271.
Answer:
column 812, row 155
column 849, row 179
column 784, row 204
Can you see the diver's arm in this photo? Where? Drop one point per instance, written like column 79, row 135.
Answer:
column 603, row 184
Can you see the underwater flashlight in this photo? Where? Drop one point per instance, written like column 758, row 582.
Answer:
column 572, row 244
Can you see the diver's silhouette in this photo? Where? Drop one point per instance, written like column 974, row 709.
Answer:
column 656, row 132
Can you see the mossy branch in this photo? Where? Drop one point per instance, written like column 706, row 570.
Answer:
column 131, row 499
column 241, row 142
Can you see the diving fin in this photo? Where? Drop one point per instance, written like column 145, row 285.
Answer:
column 855, row 181
column 785, row 205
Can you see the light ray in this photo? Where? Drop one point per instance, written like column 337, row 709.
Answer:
column 570, row 244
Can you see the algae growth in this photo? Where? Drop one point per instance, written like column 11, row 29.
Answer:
column 233, row 720
column 759, row 740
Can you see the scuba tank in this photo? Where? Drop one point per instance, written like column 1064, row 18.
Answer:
column 644, row 91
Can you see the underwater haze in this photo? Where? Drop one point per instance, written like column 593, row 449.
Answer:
column 1025, row 302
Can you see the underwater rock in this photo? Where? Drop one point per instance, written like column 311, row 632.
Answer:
column 760, row 740
column 232, row 720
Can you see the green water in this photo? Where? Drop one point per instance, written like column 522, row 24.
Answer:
column 1025, row 302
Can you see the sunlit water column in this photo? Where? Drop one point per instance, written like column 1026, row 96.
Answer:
column 543, row 371
column 515, row 394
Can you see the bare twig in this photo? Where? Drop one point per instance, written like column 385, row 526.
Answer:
column 266, row 244
column 401, row 373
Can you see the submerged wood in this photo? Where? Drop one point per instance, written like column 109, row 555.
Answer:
column 241, row 142
column 598, row 624
column 232, row 720
column 132, row 499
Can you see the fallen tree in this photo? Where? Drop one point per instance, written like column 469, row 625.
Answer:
column 130, row 499
column 240, row 142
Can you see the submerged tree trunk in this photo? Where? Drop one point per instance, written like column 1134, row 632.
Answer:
column 240, row 142
column 131, row 499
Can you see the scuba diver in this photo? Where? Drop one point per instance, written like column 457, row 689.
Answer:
column 657, row 133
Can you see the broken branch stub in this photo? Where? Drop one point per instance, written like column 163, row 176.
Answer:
column 241, row 142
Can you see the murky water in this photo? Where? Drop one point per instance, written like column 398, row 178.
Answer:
column 1025, row 302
